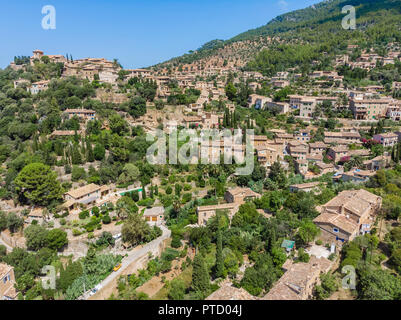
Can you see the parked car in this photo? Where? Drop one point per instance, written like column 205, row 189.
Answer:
column 117, row 267
column 117, row 236
column 95, row 289
column 92, row 292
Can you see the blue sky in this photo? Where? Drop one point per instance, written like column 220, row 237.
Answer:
column 139, row 33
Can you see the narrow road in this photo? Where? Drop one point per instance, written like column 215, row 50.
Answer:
column 133, row 256
column 9, row 249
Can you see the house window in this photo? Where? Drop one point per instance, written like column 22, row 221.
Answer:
column 335, row 230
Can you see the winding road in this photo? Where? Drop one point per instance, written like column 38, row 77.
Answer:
column 132, row 257
column 9, row 249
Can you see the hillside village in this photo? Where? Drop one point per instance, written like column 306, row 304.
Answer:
column 78, row 193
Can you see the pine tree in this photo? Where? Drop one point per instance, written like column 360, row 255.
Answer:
column 200, row 276
column 219, row 255
column 151, row 192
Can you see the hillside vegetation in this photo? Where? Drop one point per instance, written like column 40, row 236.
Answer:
column 309, row 33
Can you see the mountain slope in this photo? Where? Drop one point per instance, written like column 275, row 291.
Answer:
column 317, row 25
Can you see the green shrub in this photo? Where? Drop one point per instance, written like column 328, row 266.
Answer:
column 106, row 219
column 83, row 214
column 187, row 197
column 95, row 211
column 177, row 289
column 146, row 202
column 176, row 241
column 76, row 232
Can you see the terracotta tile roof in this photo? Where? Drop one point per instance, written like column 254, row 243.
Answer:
column 80, row 192
column 357, row 206
column 323, row 165
column 4, row 269
column 306, row 185
column 79, row 111
column 337, row 220
column 300, row 149
column 259, row 138
column 61, row 133
column 339, row 149
column 156, row 211
column 228, row 292
column 246, row 192
column 359, row 152
column 318, row 144
column 296, row 281
column 386, row 135
column 315, row 157
column 218, row 207
column 357, row 202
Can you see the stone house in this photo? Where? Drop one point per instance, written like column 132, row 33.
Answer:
column 7, row 282
column 348, row 215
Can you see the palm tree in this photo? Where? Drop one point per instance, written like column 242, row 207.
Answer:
column 356, row 162
column 122, row 210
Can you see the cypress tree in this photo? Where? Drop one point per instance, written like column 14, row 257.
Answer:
column 76, row 137
column 89, row 150
column 135, row 196
column 219, row 255
column 143, row 192
column 35, row 145
column 200, row 276
column 76, row 155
